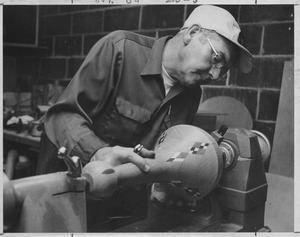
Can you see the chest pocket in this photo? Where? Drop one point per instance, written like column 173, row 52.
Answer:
column 124, row 123
column 132, row 111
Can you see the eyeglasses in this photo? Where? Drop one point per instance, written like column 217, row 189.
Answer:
column 218, row 60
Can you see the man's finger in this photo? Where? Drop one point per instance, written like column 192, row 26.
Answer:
column 147, row 153
column 138, row 161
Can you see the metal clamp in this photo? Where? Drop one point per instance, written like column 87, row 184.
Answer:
column 73, row 163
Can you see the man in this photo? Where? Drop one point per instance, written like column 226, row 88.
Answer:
column 131, row 88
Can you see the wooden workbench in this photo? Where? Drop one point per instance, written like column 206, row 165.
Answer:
column 23, row 138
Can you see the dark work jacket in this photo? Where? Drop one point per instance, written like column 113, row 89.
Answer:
column 117, row 97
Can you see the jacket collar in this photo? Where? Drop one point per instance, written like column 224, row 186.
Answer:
column 154, row 62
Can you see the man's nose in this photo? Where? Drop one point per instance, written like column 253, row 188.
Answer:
column 214, row 73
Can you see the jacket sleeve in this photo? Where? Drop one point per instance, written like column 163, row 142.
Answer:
column 68, row 123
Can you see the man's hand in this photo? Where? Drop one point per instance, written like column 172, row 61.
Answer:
column 118, row 155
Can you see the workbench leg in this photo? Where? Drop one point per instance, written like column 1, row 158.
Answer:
column 11, row 161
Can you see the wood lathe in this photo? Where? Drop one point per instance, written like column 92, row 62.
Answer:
column 190, row 164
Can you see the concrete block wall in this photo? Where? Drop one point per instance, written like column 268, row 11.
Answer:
column 70, row 31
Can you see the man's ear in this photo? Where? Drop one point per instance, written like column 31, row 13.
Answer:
column 190, row 33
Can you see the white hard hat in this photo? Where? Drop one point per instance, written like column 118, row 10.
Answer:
column 218, row 19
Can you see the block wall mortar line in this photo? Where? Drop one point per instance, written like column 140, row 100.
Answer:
column 258, row 103
column 140, row 17
column 265, row 89
column 67, row 67
column 53, row 47
column 239, row 14
column 103, row 19
column 107, row 32
column 265, row 121
column 261, row 50
column 240, row 88
column 37, row 27
column 184, row 13
column 59, row 57
column 162, row 29
column 265, row 23
column 89, row 10
column 82, row 45
column 77, row 57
